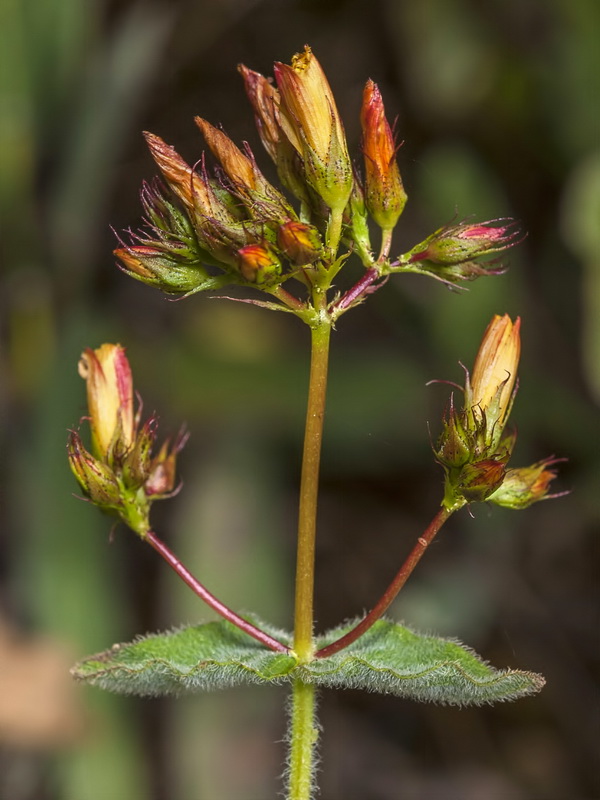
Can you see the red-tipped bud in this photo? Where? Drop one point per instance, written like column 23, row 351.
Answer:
column 262, row 200
column 189, row 187
column 258, row 263
column 384, row 193
column 265, row 101
column 300, row 243
column 162, row 269
column 455, row 244
column 526, row 485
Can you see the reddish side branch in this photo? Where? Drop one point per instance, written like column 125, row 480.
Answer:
column 210, row 599
column 392, row 590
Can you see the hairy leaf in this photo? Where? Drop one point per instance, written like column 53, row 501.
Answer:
column 392, row 659
column 193, row 659
column 389, row 658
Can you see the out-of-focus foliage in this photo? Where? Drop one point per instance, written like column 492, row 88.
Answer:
column 497, row 107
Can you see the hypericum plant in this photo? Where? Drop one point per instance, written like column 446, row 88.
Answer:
column 205, row 231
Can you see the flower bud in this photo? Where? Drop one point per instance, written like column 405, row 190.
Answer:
column 385, row 195
column 96, row 479
column 300, row 243
column 474, row 446
column 310, row 120
column 259, row 264
column 161, row 479
column 455, row 446
column 455, row 244
column 238, row 167
column 185, row 182
column 262, row 199
column 525, row 485
column 264, row 99
column 110, row 399
column 479, row 480
column 158, row 268
column 490, row 389
column 124, row 478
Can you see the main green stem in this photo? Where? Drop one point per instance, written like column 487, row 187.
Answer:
column 303, row 727
column 303, row 738
column 309, row 483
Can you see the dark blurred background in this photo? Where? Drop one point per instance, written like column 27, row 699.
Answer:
column 498, row 105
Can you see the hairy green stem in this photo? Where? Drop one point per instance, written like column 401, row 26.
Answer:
column 392, row 590
column 309, row 483
column 303, row 738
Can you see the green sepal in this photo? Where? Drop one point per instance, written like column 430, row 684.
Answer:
column 389, row 658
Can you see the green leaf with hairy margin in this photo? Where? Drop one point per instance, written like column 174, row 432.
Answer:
column 392, row 659
column 389, row 658
column 192, row 659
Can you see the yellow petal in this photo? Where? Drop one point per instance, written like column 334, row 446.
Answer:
column 107, row 373
column 496, row 365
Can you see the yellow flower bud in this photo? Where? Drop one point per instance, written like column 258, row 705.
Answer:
column 110, row 398
column 491, row 387
column 309, row 118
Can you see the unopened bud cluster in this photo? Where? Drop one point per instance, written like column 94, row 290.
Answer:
column 474, row 447
column 121, row 474
column 206, row 228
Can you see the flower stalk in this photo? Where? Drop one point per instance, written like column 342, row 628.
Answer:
column 388, row 597
column 209, row 598
column 309, row 484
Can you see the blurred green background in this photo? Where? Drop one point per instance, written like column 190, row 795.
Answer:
column 498, row 104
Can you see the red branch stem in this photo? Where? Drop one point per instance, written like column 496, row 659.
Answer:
column 360, row 288
column 195, row 585
column 392, row 590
